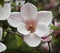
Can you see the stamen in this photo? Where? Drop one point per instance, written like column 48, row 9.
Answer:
column 31, row 25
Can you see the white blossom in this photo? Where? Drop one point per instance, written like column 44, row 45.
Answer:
column 31, row 23
column 5, row 11
column 2, row 46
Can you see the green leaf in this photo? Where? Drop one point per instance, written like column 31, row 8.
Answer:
column 39, row 7
column 55, row 27
column 2, row 2
column 19, row 40
column 11, row 42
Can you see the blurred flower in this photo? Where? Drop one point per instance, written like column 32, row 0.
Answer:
column 31, row 23
column 57, row 24
column 59, row 10
column 57, row 32
column 46, row 47
column 54, row 2
column 5, row 11
column 20, row 1
column 2, row 46
column 51, row 4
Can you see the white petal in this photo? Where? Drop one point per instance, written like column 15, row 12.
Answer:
column 2, row 47
column 32, row 40
column 5, row 11
column 44, row 16
column 15, row 19
column 6, row 0
column 17, row 2
column 1, row 31
column 42, row 30
column 29, row 11
column 22, row 29
column 22, row 2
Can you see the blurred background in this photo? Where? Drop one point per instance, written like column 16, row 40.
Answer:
column 15, row 43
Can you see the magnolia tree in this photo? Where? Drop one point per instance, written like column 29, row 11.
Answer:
column 25, row 24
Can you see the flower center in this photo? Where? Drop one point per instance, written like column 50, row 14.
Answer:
column 31, row 25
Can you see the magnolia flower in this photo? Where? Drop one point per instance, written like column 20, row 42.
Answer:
column 5, row 11
column 31, row 23
column 2, row 46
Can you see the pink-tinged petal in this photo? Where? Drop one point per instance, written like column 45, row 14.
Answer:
column 15, row 19
column 46, row 47
column 22, row 29
column 29, row 11
column 56, row 32
column 2, row 47
column 57, row 24
column 1, row 31
column 45, row 17
column 32, row 40
column 42, row 30
column 46, row 39
column 5, row 11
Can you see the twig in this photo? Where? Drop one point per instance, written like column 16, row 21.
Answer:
column 10, row 31
column 49, row 47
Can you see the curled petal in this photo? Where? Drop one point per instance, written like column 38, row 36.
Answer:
column 32, row 40
column 29, row 11
column 47, row 39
